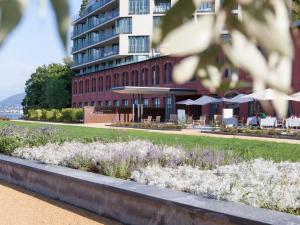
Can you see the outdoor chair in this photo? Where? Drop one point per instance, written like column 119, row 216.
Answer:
column 202, row 120
column 148, row 120
column 189, row 120
column 173, row 118
column 218, row 120
column 157, row 119
column 240, row 121
column 280, row 122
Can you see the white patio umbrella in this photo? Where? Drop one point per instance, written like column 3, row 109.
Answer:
column 204, row 100
column 296, row 96
column 186, row 102
column 268, row 94
column 240, row 98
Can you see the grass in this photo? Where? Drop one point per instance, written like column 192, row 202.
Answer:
column 246, row 148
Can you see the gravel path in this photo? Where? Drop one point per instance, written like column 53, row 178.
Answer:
column 22, row 207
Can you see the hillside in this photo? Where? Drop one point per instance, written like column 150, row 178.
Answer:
column 13, row 101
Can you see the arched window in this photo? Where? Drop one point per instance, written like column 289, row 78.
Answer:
column 116, row 80
column 155, row 75
column 168, row 73
column 87, row 86
column 100, row 84
column 93, row 84
column 125, row 81
column 75, row 88
column 81, row 87
column 144, row 77
column 136, row 78
column 108, row 83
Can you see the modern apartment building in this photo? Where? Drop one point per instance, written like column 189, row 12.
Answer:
column 110, row 33
column 117, row 68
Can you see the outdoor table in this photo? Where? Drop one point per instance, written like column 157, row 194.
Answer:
column 268, row 122
column 292, row 122
column 230, row 121
column 251, row 121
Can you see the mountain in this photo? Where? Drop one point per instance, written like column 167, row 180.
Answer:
column 13, row 101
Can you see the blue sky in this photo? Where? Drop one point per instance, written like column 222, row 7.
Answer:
column 34, row 42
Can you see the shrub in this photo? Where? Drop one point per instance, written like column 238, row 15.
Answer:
column 66, row 115
column 9, row 144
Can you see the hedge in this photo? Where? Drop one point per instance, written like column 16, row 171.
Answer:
column 70, row 115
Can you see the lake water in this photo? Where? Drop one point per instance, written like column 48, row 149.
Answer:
column 10, row 116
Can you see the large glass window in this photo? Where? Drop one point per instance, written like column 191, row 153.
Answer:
column 139, row 44
column 139, row 6
column 156, row 102
column 124, row 26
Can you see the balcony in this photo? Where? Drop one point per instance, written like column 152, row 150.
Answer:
column 206, row 7
column 93, row 7
column 97, row 39
column 96, row 56
column 96, row 22
column 162, row 8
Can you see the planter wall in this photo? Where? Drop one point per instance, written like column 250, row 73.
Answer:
column 129, row 202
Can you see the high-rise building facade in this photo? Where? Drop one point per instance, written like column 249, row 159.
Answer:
column 111, row 33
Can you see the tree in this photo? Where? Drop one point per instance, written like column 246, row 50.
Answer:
column 49, row 87
column 83, row 6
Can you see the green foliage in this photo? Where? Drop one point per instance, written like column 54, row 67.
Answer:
column 12, row 137
column 48, row 87
column 73, row 115
column 9, row 144
column 83, row 6
column 13, row 10
column 155, row 126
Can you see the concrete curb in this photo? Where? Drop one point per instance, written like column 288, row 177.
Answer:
column 130, row 202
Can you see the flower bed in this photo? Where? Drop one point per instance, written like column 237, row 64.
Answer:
column 268, row 133
column 214, row 174
column 152, row 126
column 257, row 183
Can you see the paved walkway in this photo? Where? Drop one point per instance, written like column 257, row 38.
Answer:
column 193, row 132
column 22, row 207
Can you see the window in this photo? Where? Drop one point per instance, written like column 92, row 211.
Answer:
column 100, row 84
column 155, row 75
column 156, row 102
column 117, row 103
column 108, row 83
column 87, row 86
column 75, row 88
column 144, row 77
column 80, row 87
column 125, row 103
column 94, row 85
column 139, row 7
column 139, row 44
column 145, row 102
column 168, row 73
column 124, row 26
column 156, row 21
column 116, row 80
column 125, row 81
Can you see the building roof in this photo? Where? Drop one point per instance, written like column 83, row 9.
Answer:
column 153, row 90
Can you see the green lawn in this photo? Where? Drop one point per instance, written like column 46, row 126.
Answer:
column 247, row 148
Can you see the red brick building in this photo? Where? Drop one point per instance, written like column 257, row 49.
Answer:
column 96, row 88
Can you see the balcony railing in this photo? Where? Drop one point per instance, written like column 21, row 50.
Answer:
column 206, row 7
column 96, row 56
column 162, row 8
column 96, row 22
column 93, row 7
column 107, row 35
